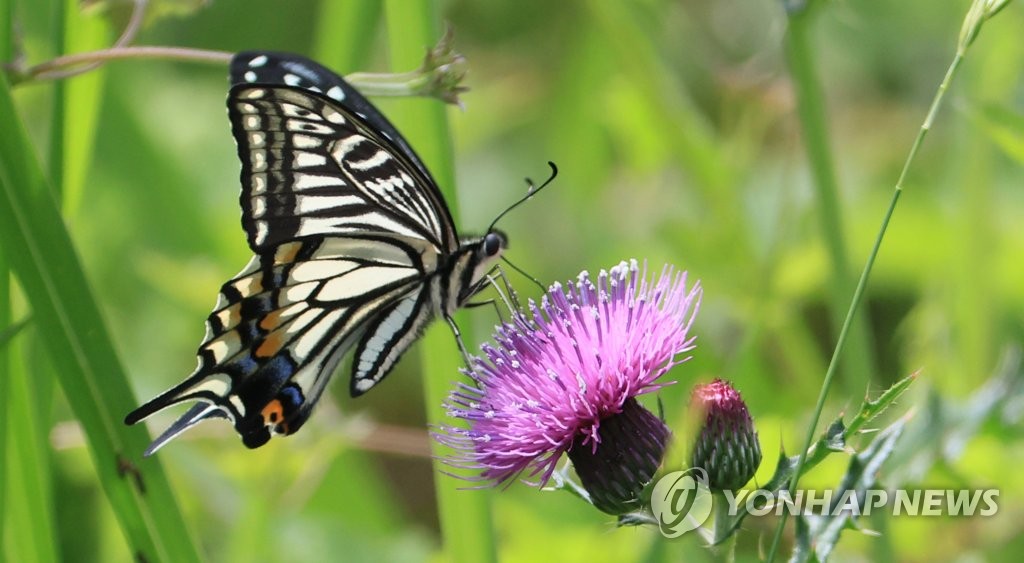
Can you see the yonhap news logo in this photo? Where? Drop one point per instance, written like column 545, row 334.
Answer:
column 681, row 502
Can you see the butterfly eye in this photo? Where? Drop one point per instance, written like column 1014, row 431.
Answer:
column 494, row 243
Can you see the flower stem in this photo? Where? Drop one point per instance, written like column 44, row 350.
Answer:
column 723, row 522
column 6, row 314
column 465, row 516
column 54, row 68
column 861, row 285
column 858, row 364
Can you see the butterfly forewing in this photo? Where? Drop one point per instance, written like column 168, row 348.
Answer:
column 266, row 67
column 309, row 168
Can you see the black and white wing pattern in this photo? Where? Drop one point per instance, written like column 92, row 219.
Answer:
column 354, row 249
column 317, row 158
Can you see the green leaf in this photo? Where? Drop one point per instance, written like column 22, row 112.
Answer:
column 77, row 103
column 1004, row 126
column 942, row 429
column 344, row 34
column 8, row 334
column 118, row 11
column 5, row 384
column 6, row 52
column 30, row 506
column 36, row 241
column 821, row 532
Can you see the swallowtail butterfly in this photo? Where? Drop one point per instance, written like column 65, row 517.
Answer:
column 354, row 250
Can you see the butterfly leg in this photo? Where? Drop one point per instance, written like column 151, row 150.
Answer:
column 491, row 302
column 458, row 339
column 513, row 296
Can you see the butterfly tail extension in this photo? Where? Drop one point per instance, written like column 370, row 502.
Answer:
column 185, row 391
column 255, row 429
column 201, row 388
column 199, row 412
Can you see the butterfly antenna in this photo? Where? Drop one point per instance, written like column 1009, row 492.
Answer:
column 530, row 193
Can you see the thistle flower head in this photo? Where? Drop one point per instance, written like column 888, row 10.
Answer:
column 557, row 378
column 726, row 447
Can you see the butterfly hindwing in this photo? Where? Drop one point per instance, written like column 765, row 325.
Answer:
column 281, row 326
column 387, row 337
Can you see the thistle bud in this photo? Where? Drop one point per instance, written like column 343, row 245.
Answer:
column 726, row 445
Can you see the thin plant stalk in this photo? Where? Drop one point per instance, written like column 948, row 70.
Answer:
column 345, row 32
column 979, row 12
column 465, row 516
column 801, row 58
column 5, row 367
column 76, row 103
column 400, row 84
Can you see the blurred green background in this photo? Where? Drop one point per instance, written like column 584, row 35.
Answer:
column 674, row 126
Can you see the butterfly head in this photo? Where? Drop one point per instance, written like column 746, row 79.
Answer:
column 487, row 252
column 493, row 244
column 480, row 255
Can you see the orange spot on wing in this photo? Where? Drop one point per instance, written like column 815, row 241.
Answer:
column 273, row 415
column 271, row 321
column 271, row 345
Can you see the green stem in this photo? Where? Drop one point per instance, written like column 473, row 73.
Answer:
column 723, row 524
column 465, row 516
column 409, row 83
column 345, row 31
column 6, row 316
column 5, row 369
column 858, row 364
column 861, row 285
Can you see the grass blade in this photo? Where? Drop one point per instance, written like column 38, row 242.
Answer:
column 6, row 316
column 67, row 317
column 344, row 34
column 30, row 509
column 76, row 105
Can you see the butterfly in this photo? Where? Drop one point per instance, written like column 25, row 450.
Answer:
column 354, row 249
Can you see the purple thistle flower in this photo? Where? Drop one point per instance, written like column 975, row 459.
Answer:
column 554, row 380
